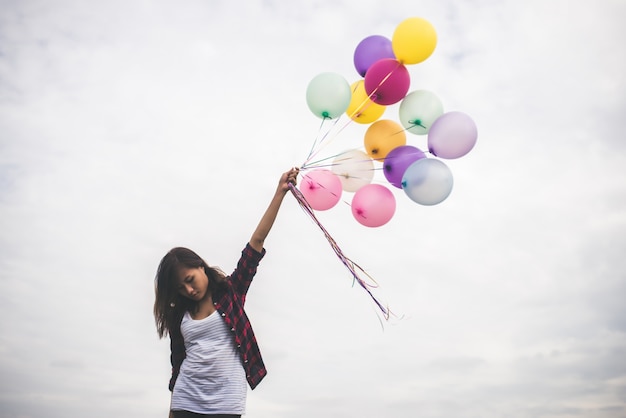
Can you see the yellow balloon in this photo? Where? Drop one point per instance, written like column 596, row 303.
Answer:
column 361, row 108
column 414, row 40
column 382, row 136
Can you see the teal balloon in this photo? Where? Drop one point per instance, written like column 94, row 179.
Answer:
column 418, row 111
column 328, row 95
column 427, row 181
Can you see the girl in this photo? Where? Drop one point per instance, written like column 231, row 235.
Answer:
column 213, row 348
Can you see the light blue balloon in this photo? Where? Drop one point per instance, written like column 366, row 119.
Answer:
column 328, row 95
column 419, row 110
column 427, row 181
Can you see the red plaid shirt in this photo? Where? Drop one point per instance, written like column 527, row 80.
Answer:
column 229, row 302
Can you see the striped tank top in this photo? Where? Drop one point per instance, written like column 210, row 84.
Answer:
column 212, row 379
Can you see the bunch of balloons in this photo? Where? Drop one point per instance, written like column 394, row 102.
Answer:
column 385, row 80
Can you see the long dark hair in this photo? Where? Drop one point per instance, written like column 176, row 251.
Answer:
column 169, row 305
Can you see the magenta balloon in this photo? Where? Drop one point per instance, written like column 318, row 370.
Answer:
column 452, row 135
column 398, row 160
column 387, row 81
column 369, row 50
column 373, row 205
column 321, row 188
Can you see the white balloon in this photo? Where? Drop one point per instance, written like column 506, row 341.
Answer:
column 354, row 168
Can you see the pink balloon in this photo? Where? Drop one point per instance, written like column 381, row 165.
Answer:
column 373, row 205
column 452, row 135
column 321, row 188
column 387, row 81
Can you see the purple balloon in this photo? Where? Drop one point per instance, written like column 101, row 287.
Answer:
column 398, row 160
column 369, row 50
column 387, row 81
column 452, row 135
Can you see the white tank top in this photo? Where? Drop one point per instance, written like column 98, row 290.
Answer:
column 212, row 379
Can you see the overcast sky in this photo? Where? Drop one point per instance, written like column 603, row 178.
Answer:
column 130, row 127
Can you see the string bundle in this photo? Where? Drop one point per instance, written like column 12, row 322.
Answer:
column 354, row 268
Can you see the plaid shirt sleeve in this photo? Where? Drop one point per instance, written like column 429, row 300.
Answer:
column 246, row 268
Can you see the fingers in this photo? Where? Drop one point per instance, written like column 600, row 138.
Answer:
column 289, row 177
column 292, row 175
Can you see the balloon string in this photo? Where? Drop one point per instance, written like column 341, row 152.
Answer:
column 413, row 125
column 319, row 141
column 321, row 164
column 326, row 136
column 315, row 164
column 360, row 108
column 351, row 176
column 348, row 263
column 366, row 101
column 313, row 145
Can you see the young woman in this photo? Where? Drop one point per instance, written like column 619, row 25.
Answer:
column 214, row 353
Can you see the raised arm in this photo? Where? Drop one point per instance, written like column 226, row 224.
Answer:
column 267, row 221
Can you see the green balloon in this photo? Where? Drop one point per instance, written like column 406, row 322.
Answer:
column 419, row 110
column 328, row 95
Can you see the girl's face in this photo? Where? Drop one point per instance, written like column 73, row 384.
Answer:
column 192, row 283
